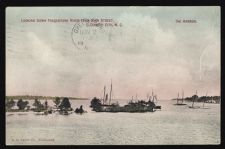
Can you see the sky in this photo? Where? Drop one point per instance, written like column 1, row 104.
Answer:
column 150, row 51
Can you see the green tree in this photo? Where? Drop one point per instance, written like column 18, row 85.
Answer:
column 37, row 103
column 22, row 104
column 56, row 101
column 65, row 104
column 38, row 106
column 96, row 104
column 194, row 97
column 10, row 103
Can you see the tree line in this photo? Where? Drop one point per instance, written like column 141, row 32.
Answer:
column 22, row 105
column 208, row 99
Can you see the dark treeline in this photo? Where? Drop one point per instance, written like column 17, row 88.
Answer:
column 207, row 99
column 22, row 105
column 61, row 105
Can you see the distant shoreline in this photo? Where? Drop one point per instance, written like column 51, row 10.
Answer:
column 206, row 99
column 29, row 97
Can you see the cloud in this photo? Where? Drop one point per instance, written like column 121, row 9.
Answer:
column 142, row 55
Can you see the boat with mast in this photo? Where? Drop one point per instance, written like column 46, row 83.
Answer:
column 182, row 100
column 155, row 100
column 193, row 101
column 106, row 105
column 204, row 101
column 105, row 100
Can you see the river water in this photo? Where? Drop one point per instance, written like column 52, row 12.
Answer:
column 170, row 125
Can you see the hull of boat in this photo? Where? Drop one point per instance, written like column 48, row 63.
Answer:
column 194, row 107
column 180, row 104
column 126, row 109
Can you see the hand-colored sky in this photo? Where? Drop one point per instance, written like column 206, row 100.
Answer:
column 149, row 52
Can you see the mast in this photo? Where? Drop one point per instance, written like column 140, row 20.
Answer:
column 194, row 99
column 149, row 99
column 205, row 99
column 182, row 96
column 177, row 97
column 106, row 98
column 110, row 94
column 104, row 95
column 156, row 98
column 152, row 96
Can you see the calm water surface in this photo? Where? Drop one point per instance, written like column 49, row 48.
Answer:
column 171, row 125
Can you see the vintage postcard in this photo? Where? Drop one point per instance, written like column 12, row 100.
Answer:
column 131, row 75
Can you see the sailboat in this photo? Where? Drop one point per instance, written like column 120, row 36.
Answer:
column 182, row 100
column 193, row 101
column 155, row 100
column 107, row 106
column 203, row 106
column 105, row 100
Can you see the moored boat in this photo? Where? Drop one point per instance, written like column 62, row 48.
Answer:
column 139, row 106
column 182, row 100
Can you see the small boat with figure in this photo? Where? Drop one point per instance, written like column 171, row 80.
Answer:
column 80, row 110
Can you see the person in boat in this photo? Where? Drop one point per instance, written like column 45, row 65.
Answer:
column 80, row 110
column 77, row 110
